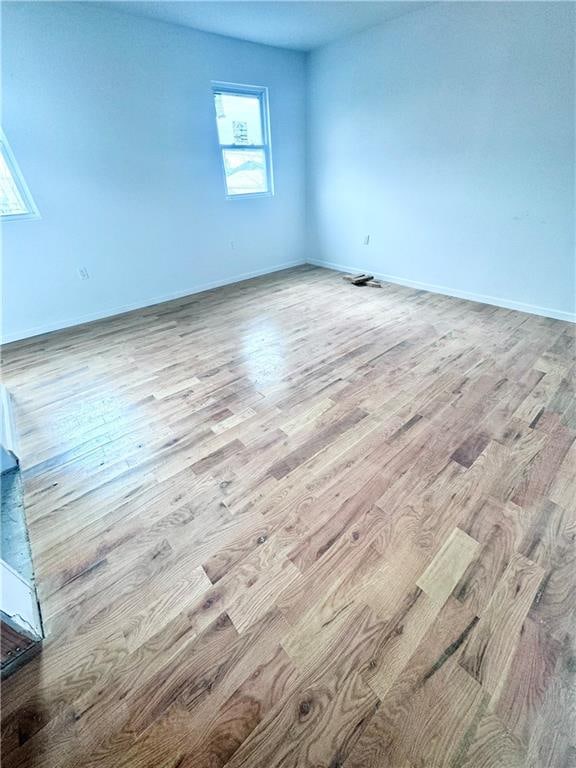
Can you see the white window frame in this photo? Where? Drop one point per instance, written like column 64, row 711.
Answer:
column 261, row 92
column 31, row 209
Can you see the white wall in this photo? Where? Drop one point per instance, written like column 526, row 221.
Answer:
column 111, row 119
column 447, row 135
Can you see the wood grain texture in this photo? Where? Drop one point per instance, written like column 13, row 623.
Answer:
column 490, row 649
column 448, row 565
column 274, row 525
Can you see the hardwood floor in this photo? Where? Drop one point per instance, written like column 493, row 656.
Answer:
column 293, row 522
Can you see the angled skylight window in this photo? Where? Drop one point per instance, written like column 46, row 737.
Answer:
column 15, row 199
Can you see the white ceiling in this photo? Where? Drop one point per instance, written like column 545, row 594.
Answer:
column 300, row 24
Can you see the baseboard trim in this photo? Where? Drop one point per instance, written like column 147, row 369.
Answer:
column 495, row 301
column 120, row 310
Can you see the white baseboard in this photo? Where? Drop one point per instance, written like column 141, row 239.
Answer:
column 531, row 309
column 119, row 310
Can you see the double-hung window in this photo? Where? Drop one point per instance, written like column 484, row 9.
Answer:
column 244, row 134
column 15, row 199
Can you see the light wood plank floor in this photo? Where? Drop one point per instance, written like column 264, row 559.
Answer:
column 292, row 522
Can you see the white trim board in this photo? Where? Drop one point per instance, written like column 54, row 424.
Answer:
column 120, row 310
column 531, row 309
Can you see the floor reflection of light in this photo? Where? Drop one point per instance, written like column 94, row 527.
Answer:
column 264, row 352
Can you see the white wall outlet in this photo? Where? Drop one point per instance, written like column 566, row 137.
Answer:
column 83, row 272
column 367, row 240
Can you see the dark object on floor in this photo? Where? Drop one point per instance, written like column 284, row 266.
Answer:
column 360, row 279
column 363, row 279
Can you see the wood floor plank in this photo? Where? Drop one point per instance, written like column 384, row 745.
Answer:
column 499, row 529
column 493, row 746
column 448, row 565
column 437, row 725
column 292, row 522
column 242, row 712
column 322, row 719
column 414, row 617
column 522, row 698
column 489, row 651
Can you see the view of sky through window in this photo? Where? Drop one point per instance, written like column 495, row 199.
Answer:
column 245, row 152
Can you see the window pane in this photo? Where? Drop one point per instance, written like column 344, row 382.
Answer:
column 245, row 171
column 11, row 202
column 238, row 118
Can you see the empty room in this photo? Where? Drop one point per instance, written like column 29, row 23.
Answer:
column 288, row 402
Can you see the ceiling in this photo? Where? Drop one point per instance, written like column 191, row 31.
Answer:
column 300, row 24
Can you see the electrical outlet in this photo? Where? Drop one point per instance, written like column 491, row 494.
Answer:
column 367, row 240
column 83, row 272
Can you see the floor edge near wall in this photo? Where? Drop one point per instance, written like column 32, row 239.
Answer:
column 495, row 301
column 454, row 293
column 30, row 333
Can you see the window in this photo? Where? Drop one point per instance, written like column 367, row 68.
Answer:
column 244, row 136
column 15, row 199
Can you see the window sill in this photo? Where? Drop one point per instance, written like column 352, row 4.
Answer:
column 249, row 195
column 20, row 217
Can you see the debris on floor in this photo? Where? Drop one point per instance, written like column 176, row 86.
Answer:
column 363, row 279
